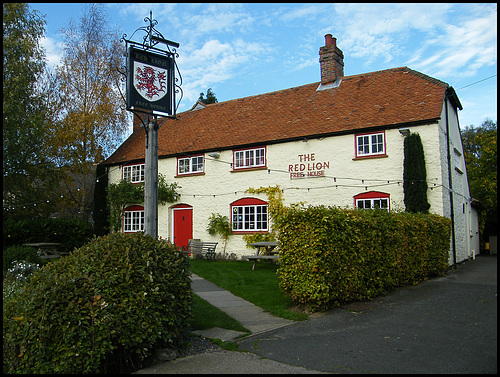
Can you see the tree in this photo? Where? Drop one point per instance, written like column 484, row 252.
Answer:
column 211, row 98
column 480, row 152
column 415, row 175
column 28, row 172
column 91, row 116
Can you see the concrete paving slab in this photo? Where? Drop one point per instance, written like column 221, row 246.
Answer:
column 225, row 335
column 224, row 362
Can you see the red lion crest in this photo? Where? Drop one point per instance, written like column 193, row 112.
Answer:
column 147, row 78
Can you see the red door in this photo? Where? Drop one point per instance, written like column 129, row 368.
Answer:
column 183, row 225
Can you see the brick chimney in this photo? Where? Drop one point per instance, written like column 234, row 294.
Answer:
column 331, row 60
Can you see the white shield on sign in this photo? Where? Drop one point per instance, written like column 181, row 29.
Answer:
column 150, row 81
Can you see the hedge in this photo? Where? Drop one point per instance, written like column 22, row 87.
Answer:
column 104, row 308
column 70, row 233
column 330, row 256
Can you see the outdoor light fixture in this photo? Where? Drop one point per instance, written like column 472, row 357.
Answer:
column 214, row 154
column 404, row 131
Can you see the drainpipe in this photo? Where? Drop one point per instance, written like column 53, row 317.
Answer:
column 450, row 183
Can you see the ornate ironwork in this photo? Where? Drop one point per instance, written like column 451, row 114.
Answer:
column 150, row 40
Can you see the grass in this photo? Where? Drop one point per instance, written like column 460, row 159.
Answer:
column 206, row 316
column 259, row 286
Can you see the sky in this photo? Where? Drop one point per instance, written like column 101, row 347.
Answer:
column 245, row 49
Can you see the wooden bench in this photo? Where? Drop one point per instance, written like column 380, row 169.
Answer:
column 206, row 249
column 255, row 258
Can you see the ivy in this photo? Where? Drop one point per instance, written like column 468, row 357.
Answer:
column 124, row 193
column 276, row 212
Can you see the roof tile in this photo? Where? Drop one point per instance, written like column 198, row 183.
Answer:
column 377, row 99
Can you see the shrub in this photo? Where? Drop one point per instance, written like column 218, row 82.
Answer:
column 19, row 253
column 15, row 277
column 103, row 308
column 330, row 256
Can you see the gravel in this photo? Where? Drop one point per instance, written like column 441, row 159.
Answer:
column 198, row 344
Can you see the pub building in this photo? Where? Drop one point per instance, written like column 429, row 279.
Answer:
column 336, row 142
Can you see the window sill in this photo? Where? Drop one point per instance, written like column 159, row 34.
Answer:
column 189, row 175
column 249, row 169
column 370, row 157
column 250, row 232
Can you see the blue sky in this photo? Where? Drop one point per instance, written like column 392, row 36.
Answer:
column 240, row 50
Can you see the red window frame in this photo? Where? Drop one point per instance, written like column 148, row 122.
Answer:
column 373, row 195
column 142, row 175
column 247, row 216
column 254, row 158
column 190, row 165
column 131, row 210
column 370, row 153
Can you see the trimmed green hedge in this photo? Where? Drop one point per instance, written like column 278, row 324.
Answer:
column 104, row 308
column 330, row 256
column 70, row 233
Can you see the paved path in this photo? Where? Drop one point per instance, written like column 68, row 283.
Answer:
column 255, row 319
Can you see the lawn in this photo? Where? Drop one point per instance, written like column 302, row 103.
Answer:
column 205, row 316
column 259, row 286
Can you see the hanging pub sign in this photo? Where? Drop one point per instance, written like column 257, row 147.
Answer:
column 150, row 83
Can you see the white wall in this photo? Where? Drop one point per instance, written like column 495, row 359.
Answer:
column 342, row 178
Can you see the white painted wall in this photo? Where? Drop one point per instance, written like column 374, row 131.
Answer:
column 343, row 178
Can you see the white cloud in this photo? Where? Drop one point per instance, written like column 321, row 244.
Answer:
column 374, row 31
column 463, row 49
column 53, row 51
column 305, row 11
column 213, row 63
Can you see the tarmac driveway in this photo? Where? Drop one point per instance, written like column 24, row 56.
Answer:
column 444, row 325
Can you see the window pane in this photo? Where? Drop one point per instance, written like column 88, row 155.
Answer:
column 249, row 159
column 363, row 145
column 184, row 166
column 127, row 173
column 197, row 164
column 377, row 143
column 238, row 159
column 260, row 157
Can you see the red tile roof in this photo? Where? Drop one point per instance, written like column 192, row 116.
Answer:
column 386, row 98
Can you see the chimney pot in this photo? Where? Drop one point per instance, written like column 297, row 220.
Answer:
column 329, row 40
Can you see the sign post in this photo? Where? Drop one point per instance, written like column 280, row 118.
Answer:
column 151, row 88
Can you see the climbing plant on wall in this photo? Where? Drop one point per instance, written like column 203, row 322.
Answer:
column 415, row 175
column 276, row 210
column 124, row 193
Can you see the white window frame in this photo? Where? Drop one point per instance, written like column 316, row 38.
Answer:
column 249, row 158
column 372, row 203
column 370, row 144
column 133, row 221
column 457, row 160
column 250, row 218
column 133, row 173
column 190, row 165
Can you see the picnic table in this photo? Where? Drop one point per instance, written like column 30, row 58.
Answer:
column 46, row 250
column 264, row 250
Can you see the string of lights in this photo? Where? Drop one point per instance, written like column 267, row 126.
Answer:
column 363, row 183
